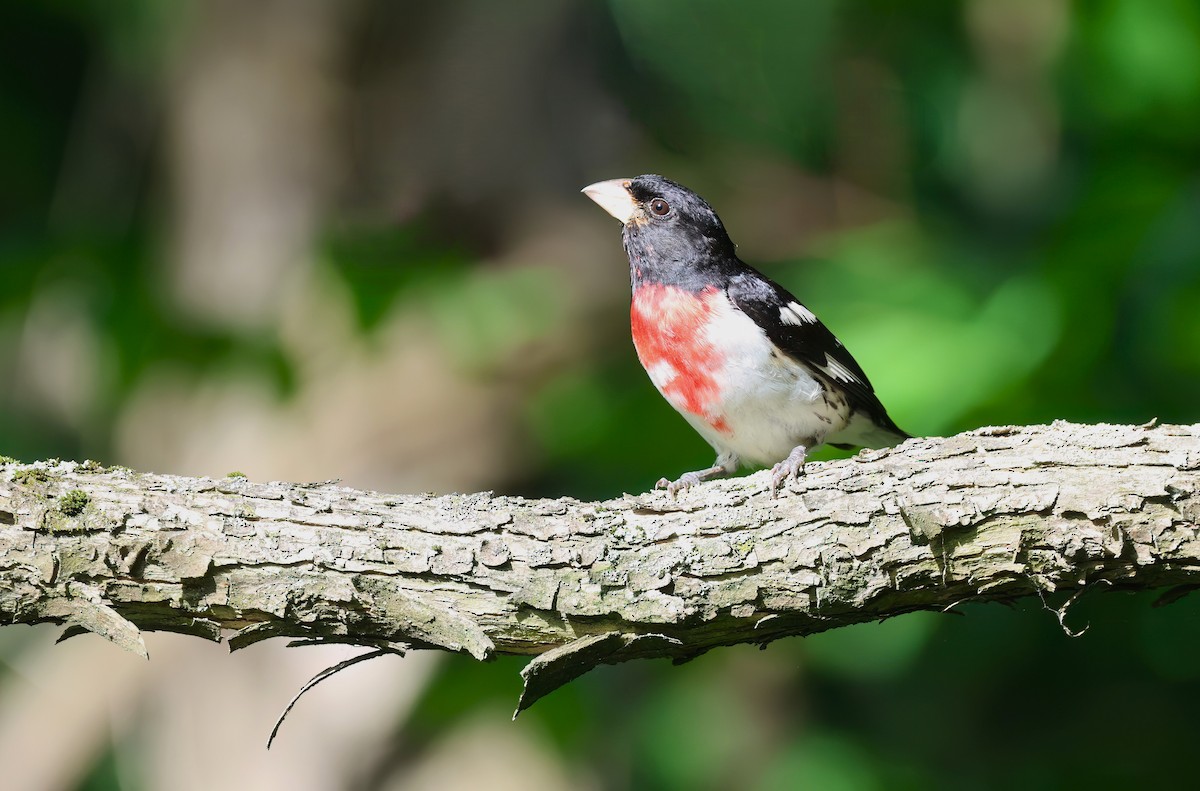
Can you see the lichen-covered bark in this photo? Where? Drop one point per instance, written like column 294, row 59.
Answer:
column 988, row 515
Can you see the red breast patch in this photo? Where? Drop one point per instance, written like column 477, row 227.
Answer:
column 669, row 333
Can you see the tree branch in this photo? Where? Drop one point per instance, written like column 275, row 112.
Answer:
column 990, row 515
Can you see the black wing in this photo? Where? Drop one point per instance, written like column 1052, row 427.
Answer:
column 798, row 333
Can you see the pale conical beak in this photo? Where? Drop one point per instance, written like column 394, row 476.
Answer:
column 614, row 197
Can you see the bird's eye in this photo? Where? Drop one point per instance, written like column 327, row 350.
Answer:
column 660, row 207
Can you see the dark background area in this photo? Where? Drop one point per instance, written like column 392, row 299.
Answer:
column 315, row 239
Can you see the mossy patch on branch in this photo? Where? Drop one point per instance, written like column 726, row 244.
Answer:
column 30, row 476
column 73, row 502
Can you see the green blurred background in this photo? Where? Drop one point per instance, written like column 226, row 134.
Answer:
column 318, row 239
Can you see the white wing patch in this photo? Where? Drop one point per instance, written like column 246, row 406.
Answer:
column 839, row 371
column 797, row 314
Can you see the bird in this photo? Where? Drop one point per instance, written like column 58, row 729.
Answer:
column 753, row 370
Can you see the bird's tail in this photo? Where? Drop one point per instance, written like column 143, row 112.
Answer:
column 863, row 432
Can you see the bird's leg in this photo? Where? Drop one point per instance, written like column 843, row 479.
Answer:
column 724, row 465
column 789, row 468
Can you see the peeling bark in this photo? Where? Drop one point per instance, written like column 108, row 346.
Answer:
column 989, row 515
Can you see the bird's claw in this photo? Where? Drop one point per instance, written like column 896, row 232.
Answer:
column 685, row 481
column 788, row 470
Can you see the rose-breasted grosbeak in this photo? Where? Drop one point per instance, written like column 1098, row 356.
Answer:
column 745, row 363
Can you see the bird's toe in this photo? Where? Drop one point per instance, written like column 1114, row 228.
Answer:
column 684, row 482
column 788, row 470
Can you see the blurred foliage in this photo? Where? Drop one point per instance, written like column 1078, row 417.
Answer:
column 1037, row 257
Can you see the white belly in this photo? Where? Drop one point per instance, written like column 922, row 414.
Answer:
column 769, row 403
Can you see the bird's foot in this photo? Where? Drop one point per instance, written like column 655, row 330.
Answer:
column 683, row 482
column 689, row 479
column 789, row 469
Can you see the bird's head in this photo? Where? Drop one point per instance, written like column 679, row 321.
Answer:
column 667, row 227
